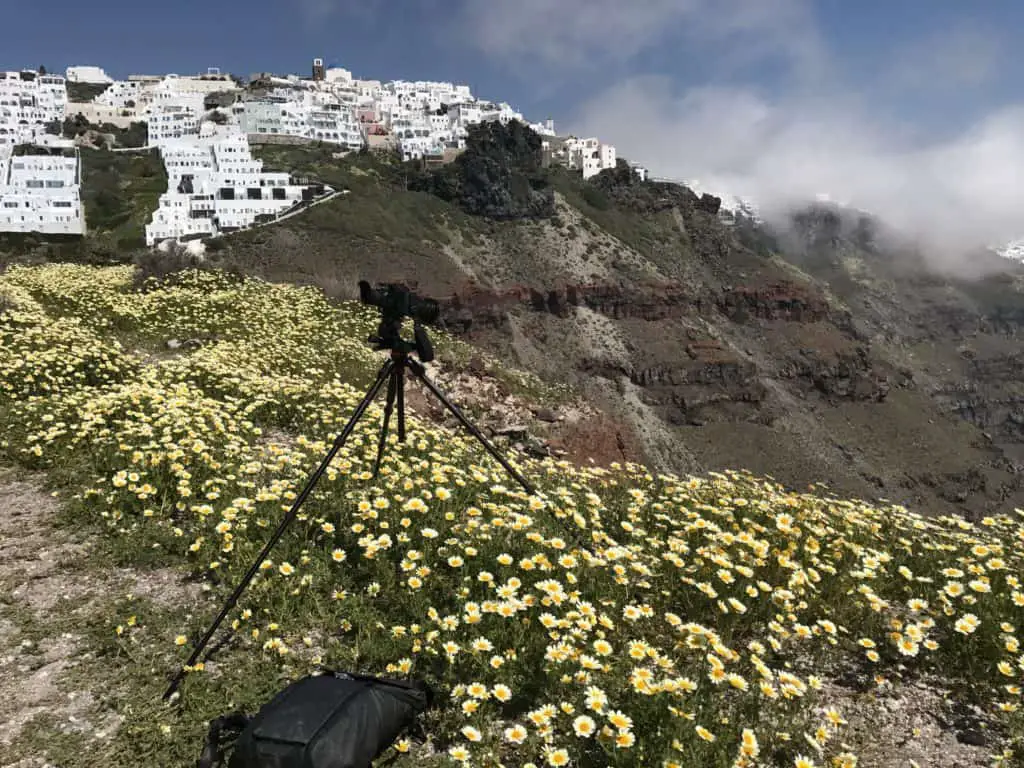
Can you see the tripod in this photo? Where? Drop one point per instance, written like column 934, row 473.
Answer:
column 392, row 372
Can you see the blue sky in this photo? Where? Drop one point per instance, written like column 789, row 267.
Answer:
column 878, row 103
column 435, row 39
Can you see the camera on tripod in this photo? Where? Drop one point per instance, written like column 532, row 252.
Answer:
column 397, row 302
column 339, row 719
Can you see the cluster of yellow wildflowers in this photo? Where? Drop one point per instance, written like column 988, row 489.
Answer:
column 617, row 618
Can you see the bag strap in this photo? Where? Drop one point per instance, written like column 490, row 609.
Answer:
column 416, row 685
column 213, row 754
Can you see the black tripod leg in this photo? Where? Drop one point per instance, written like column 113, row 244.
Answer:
column 418, row 369
column 339, row 441
column 401, row 403
column 393, row 383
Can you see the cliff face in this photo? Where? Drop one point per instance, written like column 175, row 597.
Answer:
column 811, row 358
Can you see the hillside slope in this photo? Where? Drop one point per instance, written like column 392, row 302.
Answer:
column 613, row 617
column 713, row 346
column 815, row 357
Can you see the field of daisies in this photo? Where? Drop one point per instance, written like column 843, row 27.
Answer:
column 616, row 618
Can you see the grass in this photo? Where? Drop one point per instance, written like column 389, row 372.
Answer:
column 120, row 191
column 616, row 618
column 410, row 218
column 651, row 236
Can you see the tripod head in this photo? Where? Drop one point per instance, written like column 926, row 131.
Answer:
column 396, row 302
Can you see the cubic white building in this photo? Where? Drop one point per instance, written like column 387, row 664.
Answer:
column 170, row 123
column 91, row 75
column 304, row 114
column 547, row 128
column 28, row 102
column 215, row 186
column 39, row 189
column 641, row 171
column 127, row 94
column 589, row 156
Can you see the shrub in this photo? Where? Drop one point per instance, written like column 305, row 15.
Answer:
column 595, row 198
column 154, row 267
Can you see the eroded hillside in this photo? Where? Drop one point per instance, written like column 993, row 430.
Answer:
column 712, row 346
column 816, row 358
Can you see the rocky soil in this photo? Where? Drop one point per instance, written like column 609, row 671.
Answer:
column 51, row 591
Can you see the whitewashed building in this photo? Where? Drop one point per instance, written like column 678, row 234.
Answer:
column 216, row 186
column 317, row 116
column 29, row 102
column 40, row 189
column 127, row 94
column 337, row 75
column 90, row 75
column 641, row 171
column 547, row 128
column 589, row 156
column 171, row 122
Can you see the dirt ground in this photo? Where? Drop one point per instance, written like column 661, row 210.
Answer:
column 49, row 588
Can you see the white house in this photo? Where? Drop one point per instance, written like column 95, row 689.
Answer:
column 338, row 75
column 28, row 102
column 101, row 113
column 216, row 186
column 127, row 94
column 589, row 156
column 169, row 123
column 641, row 171
column 39, row 189
column 547, row 128
column 91, row 75
column 319, row 116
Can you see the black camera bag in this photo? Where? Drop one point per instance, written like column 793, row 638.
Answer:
column 333, row 720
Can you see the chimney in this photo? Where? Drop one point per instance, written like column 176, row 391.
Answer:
column 318, row 69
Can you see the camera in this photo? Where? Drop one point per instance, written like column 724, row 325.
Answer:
column 397, row 302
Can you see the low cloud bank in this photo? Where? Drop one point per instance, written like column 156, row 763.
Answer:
column 951, row 196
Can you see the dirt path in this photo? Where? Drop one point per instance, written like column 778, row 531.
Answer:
column 51, row 592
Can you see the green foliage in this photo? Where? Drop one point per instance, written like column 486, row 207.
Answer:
column 378, row 228
column 85, row 91
column 132, row 137
column 498, row 176
column 316, row 161
column 155, row 268
column 595, row 198
column 650, row 235
column 120, row 191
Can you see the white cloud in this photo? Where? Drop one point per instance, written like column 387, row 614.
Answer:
column 953, row 194
column 582, row 33
column 814, row 134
